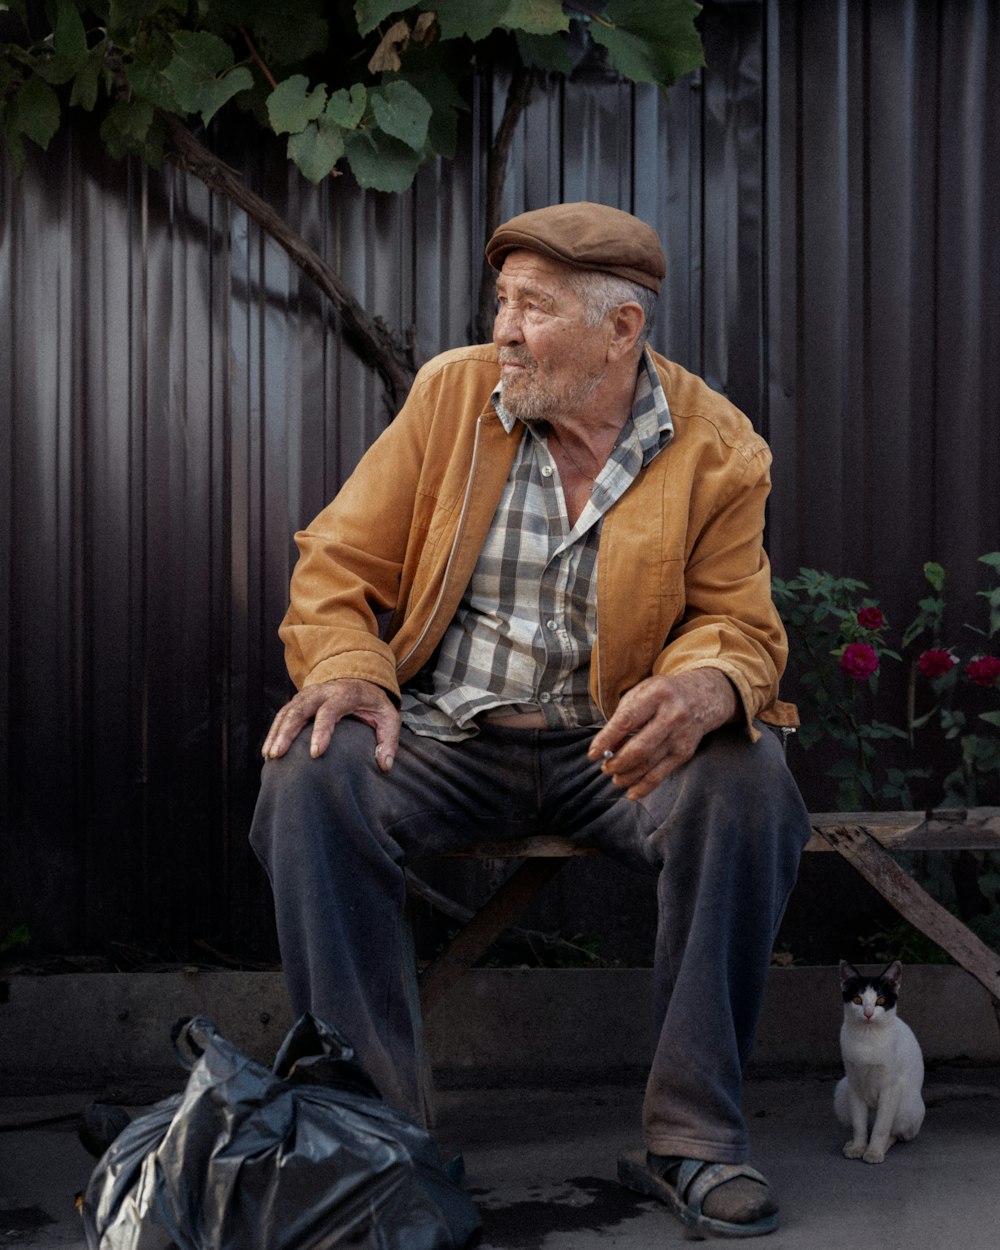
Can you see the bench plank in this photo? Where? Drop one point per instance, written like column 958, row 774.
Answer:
column 946, row 829
column 865, row 839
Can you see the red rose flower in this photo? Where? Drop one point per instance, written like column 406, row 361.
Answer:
column 935, row 662
column 984, row 671
column 870, row 618
column 859, row 660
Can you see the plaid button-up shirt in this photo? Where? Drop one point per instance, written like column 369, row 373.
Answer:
column 523, row 634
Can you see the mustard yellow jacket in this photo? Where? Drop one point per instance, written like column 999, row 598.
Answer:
column 682, row 579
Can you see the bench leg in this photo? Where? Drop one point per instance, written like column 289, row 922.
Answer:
column 472, row 942
column 425, row 1079
column 877, row 866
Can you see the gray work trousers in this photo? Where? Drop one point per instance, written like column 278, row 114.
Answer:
column 723, row 836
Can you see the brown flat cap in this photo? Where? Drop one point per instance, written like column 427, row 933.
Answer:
column 589, row 236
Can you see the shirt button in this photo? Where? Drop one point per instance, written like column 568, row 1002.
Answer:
column 551, row 624
column 546, row 470
column 544, row 697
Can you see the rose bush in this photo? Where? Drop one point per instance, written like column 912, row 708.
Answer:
column 940, row 739
column 839, row 639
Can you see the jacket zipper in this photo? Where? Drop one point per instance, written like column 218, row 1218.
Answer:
column 600, row 692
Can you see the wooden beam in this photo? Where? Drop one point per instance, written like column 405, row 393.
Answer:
column 859, row 847
column 946, row 829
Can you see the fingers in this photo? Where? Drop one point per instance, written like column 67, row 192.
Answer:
column 645, row 760
column 290, row 720
column 326, row 704
column 654, row 730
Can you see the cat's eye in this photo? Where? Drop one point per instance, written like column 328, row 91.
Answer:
column 880, row 1001
column 856, row 1000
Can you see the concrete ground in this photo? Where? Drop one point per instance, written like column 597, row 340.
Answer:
column 540, row 1163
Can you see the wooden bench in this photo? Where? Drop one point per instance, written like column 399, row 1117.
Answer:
column 867, row 840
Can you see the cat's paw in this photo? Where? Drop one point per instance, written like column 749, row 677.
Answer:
column 855, row 1149
column 873, row 1155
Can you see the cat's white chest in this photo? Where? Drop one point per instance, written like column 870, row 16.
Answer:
column 868, row 1045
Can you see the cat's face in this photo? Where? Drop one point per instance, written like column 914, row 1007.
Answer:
column 869, row 999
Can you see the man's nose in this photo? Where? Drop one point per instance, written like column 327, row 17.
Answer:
column 507, row 327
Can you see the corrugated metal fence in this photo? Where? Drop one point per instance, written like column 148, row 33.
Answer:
column 175, row 401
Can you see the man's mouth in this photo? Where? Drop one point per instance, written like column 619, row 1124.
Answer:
column 511, row 362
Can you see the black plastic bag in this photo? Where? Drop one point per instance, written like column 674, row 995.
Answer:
column 302, row 1157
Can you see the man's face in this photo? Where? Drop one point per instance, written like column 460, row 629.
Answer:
column 551, row 361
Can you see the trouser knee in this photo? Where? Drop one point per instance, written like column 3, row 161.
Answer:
column 302, row 800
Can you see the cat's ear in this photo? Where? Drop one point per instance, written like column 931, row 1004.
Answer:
column 847, row 972
column 894, row 975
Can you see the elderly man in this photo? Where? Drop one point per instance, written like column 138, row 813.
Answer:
column 565, row 532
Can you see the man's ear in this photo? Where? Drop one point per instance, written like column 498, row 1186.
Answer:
column 627, row 322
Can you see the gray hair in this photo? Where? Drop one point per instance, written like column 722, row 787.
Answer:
column 602, row 292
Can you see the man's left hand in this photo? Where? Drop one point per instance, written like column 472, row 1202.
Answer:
column 658, row 724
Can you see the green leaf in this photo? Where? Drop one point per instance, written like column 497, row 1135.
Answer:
column 434, row 71
column 201, row 73
column 13, row 139
column 35, row 112
column 935, row 575
column 536, row 17
column 402, row 112
column 282, row 37
column 370, row 12
column 992, row 558
column 380, row 162
column 544, row 52
column 474, row 19
column 69, row 45
column 88, row 80
column 291, row 106
column 991, row 718
column 147, row 78
column 128, row 15
column 651, row 40
column 346, row 109
column 317, row 149
column 69, row 37
column 19, row 935
column 128, row 128
column 992, row 597
column 879, row 729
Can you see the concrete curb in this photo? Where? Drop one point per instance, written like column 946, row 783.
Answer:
column 500, row 1026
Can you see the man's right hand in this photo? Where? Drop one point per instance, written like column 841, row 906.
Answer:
column 325, row 704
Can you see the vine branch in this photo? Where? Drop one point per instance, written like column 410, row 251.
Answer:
column 370, row 336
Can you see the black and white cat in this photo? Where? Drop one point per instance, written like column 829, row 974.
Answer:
column 883, row 1062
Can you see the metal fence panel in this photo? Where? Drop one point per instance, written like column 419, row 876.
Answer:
column 175, row 400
